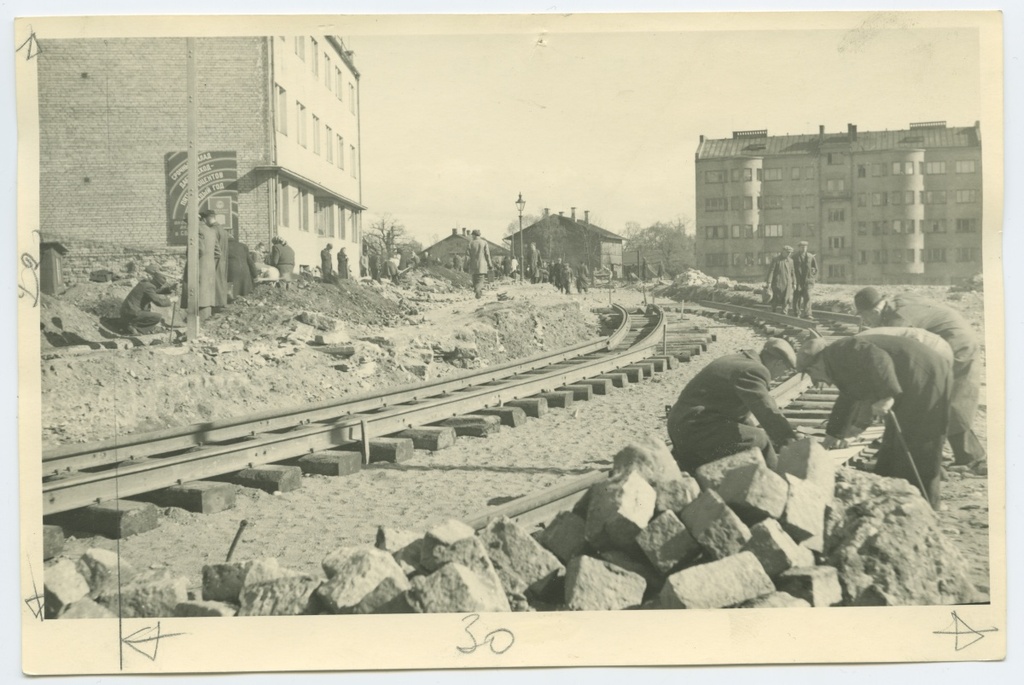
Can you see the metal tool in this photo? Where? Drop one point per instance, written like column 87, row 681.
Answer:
column 906, row 452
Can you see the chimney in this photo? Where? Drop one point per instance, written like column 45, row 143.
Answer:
column 851, row 129
column 821, row 132
column 574, row 214
column 702, row 137
column 455, row 231
column 561, row 214
column 586, row 216
column 546, row 212
column 465, row 231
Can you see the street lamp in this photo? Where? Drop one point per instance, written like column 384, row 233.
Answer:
column 520, row 205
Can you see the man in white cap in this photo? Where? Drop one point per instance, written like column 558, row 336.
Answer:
column 904, row 381
column 781, row 280
column 713, row 416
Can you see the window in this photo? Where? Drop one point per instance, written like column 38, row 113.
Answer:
column 320, row 217
column 773, row 174
column 736, row 203
column 879, row 199
column 897, row 256
column 738, row 175
column 902, row 168
column 933, row 197
column 908, row 197
column 716, row 204
column 862, row 257
column 810, row 201
column 794, row 173
column 748, row 259
column 737, row 259
column 835, row 185
column 862, row 172
column 896, row 197
column 748, row 230
column 835, row 158
column 327, row 71
column 282, row 110
column 965, row 166
column 835, row 215
column 314, row 56
column 352, row 159
column 837, row 271
column 862, row 199
column 300, row 123
column 966, row 225
column 717, row 259
column 337, row 82
column 935, row 168
column 716, row 232
column 329, row 144
column 910, row 256
column 880, row 227
column 762, row 258
column 303, row 212
column 352, row 98
column 748, row 202
column 796, row 230
column 933, row 225
column 342, row 227
column 341, row 152
column 837, row 242
column 878, row 170
column 316, row 134
column 716, row 176
column 284, row 201
column 881, row 256
column 809, row 172
column 966, row 196
column 898, row 225
column 300, row 47
column 811, row 228
column 934, row 255
column 968, row 254
column 772, row 231
column 794, row 201
column 862, row 228
column 774, row 203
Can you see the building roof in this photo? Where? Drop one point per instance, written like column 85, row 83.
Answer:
column 461, row 243
column 566, row 222
column 753, row 144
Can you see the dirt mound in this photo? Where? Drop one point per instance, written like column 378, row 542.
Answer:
column 888, row 546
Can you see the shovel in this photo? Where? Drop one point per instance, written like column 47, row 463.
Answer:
column 906, row 452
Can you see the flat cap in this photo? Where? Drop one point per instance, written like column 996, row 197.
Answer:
column 207, row 212
column 802, row 242
column 809, row 352
column 780, row 348
column 866, row 298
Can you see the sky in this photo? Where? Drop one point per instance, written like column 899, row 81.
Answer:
column 455, row 126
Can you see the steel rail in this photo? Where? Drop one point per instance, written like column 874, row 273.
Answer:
column 68, row 458
column 783, row 319
column 143, row 475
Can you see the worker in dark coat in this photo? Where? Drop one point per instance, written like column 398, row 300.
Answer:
column 567, row 279
column 282, row 257
column 950, row 325
column 220, row 297
column 208, row 255
column 898, row 376
column 781, row 281
column 343, row 264
column 805, row 272
column 136, row 314
column 327, row 264
column 479, row 262
column 713, row 416
column 582, row 278
column 375, row 270
column 241, row 268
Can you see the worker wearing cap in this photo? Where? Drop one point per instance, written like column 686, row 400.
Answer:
column 136, row 313
column 343, row 273
column 220, row 259
column 894, row 374
column 805, row 273
column 282, row 257
column 479, row 262
column 713, row 416
column 781, row 280
column 208, row 255
column 909, row 310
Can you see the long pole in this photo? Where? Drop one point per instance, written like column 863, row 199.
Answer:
column 521, row 250
column 192, row 250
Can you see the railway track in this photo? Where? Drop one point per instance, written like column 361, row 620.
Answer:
column 807, row 407
column 76, row 476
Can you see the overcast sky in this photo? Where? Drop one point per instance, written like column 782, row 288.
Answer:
column 455, row 126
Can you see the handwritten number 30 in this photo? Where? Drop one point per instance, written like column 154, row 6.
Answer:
column 499, row 641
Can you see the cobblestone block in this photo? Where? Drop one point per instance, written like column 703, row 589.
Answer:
column 430, row 438
column 804, row 516
column 86, row 608
column 198, row 609
column 667, row 543
column 100, row 569
column 513, row 417
column 63, row 585
column 710, row 475
column 558, row 399
column 715, row 526
column 564, row 536
column 581, row 392
column 596, row 585
column 353, row 573
column 522, row 564
column 534, row 407
column 472, row 426
column 776, row 551
column 807, row 459
column 776, row 600
column 198, row 496
column 721, row 583
column 331, row 463
column 817, row 585
column 754, row 492
column 268, row 478
column 454, row 588
column 619, row 509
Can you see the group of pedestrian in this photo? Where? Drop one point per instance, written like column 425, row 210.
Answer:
column 564, row 276
column 327, row 272
column 914, row 367
column 790, row 279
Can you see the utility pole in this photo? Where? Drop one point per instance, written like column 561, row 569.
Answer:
column 192, row 215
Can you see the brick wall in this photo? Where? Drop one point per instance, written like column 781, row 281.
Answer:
column 110, row 109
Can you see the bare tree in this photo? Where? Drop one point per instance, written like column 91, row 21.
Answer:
column 665, row 243
column 386, row 235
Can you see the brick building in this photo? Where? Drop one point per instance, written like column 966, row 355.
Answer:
column 458, row 243
column 559, row 236
column 898, row 206
column 278, row 141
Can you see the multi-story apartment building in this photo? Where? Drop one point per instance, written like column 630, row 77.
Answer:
column 875, row 206
column 278, row 140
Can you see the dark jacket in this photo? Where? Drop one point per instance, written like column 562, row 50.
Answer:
column 326, row 263
column 282, row 257
column 241, row 269
column 805, row 269
column 141, row 298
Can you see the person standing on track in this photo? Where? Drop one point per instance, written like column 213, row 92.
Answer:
column 805, row 272
column 781, row 280
column 894, row 374
column 713, row 416
column 909, row 310
column 479, row 262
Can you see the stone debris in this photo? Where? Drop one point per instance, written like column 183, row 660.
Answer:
column 62, row 585
column 816, row 585
column 151, row 594
column 755, row 492
column 596, row 585
column 522, row 563
column 619, row 509
column 667, row 543
column 100, row 569
column 776, row 551
column 563, row 537
column 715, row 526
column 710, row 475
column 722, row 583
column 355, row 572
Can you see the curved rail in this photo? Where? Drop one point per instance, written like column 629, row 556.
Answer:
column 83, row 475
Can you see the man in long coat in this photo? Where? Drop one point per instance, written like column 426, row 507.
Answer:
column 781, row 280
column 220, row 291
column 805, row 271
column 950, row 325
column 713, row 416
column 327, row 264
column 241, row 268
column 479, row 262
column 282, row 257
column 892, row 373
column 343, row 264
column 208, row 255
